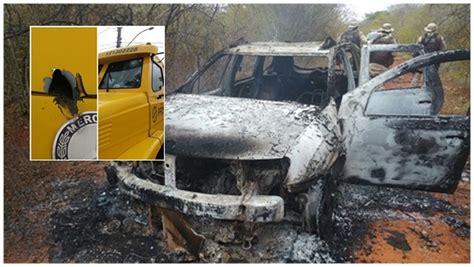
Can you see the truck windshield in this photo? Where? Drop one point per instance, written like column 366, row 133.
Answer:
column 123, row 74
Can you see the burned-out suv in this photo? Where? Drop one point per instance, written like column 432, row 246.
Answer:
column 266, row 128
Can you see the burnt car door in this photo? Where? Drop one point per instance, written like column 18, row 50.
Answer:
column 343, row 71
column 394, row 137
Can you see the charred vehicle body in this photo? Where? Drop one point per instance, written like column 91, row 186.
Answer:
column 277, row 136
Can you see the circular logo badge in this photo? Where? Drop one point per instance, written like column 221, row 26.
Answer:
column 77, row 138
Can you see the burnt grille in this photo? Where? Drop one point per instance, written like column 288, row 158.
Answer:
column 213, row 176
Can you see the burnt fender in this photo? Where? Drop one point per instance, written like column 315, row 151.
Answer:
column 315, row 150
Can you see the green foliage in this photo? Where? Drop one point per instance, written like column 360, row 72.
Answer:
column 194, row 32
column 409, row 20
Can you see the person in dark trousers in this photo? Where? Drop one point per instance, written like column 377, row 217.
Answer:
column 353, row 35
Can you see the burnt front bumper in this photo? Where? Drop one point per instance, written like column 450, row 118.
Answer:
column 256, row 208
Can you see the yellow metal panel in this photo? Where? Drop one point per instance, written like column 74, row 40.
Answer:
column 127, row 52
column 70, row 48
column 146, row 149
column 45, row 122
column 123, row 121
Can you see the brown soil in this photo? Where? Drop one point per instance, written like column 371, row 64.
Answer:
column 421, row 239
column 429, row 241
column 28, row 186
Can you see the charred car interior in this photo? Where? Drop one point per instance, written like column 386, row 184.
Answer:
column 299, row 72
column 270, row 128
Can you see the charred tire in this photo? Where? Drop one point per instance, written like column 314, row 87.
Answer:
column 111, row 174
column 319, row 207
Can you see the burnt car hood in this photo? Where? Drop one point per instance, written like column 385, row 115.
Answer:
column 208, row 126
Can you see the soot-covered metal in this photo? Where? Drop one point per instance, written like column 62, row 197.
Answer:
column 254, row 160
column 414, row 150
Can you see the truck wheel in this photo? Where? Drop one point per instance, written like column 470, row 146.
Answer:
column 111, row 174
column 318, row 210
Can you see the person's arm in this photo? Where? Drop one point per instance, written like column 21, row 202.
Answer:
column 443, row 43
column 419, row 40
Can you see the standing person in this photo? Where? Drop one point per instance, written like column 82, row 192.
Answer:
column 431, row 41
column 353, row 35
column 379, row 60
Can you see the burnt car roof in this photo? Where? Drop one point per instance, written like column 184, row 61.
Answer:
column 279, row 49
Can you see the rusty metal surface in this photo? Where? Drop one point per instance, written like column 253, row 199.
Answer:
column 178, row 232
column 234, row 128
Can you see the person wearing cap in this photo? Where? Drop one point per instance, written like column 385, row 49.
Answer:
column 353, row 35
column 380, row 60
column 431, row 39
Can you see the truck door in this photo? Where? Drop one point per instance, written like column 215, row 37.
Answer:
column 394, row 137
column 156, row 99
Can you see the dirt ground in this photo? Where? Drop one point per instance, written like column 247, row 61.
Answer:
column 66, row 212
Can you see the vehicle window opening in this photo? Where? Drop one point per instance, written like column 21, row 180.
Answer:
column 123, row 75
column 212, row 76
column 421, row 92
column 283, row 78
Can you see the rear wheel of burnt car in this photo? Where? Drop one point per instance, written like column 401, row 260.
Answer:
column 318, row 208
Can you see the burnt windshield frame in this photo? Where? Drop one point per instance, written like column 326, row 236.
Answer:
column 106, row 75
column 196, row 78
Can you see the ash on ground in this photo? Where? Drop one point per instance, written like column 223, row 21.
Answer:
column 105, row 225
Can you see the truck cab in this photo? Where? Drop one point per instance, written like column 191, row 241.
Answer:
column 131, row 103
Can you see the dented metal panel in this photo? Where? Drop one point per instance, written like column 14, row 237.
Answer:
column 234, row 128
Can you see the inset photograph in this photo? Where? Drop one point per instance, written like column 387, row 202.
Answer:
column 63, row 120
column 131, row 92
